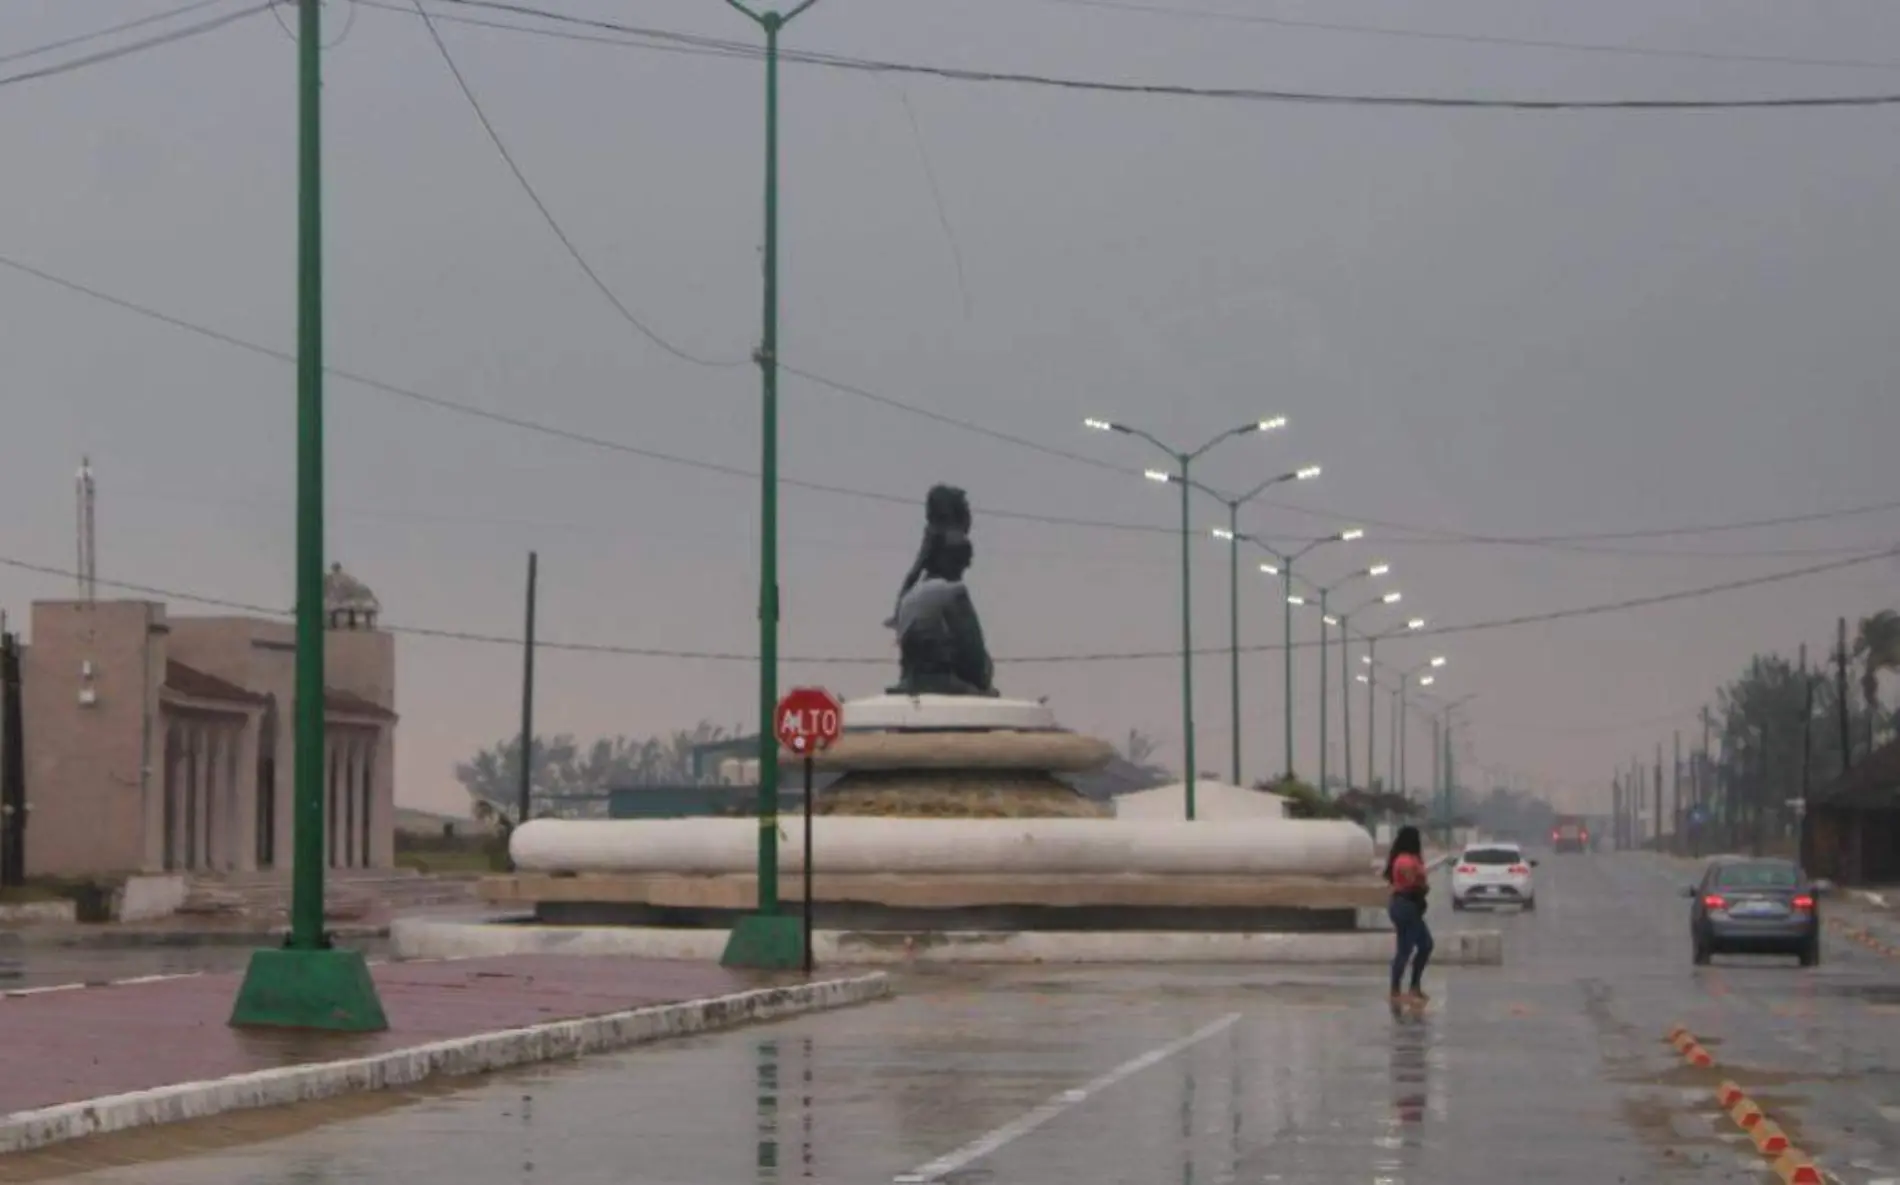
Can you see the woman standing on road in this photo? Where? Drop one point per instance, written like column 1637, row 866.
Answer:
column 1405, row 872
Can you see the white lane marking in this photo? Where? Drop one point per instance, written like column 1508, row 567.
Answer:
column 1029, row 1121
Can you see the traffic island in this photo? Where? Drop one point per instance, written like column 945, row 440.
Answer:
column 147, row 1052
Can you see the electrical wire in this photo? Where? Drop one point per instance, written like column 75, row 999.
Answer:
column 121, row 51
column 458, row 408
column 1256, row 18
column 654, row 38
column 550, row 430
column 1090, row 657
column 108, row 31
column 547, row 215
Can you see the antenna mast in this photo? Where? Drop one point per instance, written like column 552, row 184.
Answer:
column 88, row 550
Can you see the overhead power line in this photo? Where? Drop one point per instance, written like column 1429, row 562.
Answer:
column 1643, row 51
column 1086, row 657
column 108, row 31
column 673, row 41
column 593, row 441
column 133, row 47
column 547, row 215
column 527, row 425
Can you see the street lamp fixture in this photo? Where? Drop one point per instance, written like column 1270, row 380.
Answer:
column 1269, row 569
column 1182, row 475
column 1378, row 569
column 1306, row 474
column 1427, row 681
column 1296, row 599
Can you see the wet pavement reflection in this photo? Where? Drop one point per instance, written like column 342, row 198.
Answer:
column 1551, row 1068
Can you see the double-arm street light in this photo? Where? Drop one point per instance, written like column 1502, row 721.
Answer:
column 1231, row 533
column 1182, row 475
column 1327, row 619
column 1346, row 536
column 1371, row 679
column 1345, row 673
column 1422, row 673
column 1445, row 774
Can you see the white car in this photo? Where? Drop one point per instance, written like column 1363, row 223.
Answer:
column 1493, row 874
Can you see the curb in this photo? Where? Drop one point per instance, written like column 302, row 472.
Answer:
column 103, row 936
column 1867, row 938
column 1789, row 1163
column 479, row 1054
column 456, row 940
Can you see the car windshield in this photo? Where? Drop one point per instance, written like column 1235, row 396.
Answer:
column 1752, row 875
column 1493, row 856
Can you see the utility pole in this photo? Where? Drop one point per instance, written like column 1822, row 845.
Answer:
column 1345, row 698
column 1840, row 694
column 1807, row 760
column 308, row 983
column 766, row 939
column 1675, row 791
column 1616, row 810
column 1657, row 807
column 524, row 803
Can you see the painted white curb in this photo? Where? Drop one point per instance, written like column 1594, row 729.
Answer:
column 423, row 939
column 478, row 1054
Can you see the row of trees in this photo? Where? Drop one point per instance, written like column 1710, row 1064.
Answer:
column 1780, row 729
column 568, row 776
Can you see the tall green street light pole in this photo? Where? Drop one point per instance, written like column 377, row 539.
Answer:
column 1371, row 677
column 768, row 939
column 1183, row 476
column 307, row 983
column 1445, row 802
column 1345, row 671
column 1326, row 619
column 1278, row 569
column 1291, row 598
column 1231, row 534
column 1405, row 678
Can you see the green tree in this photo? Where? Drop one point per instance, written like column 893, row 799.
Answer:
column 562, row 773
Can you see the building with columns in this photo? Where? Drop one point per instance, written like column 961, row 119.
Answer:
column 158, row 743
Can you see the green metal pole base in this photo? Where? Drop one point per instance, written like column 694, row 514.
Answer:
column 297, row 988
column 766, row 942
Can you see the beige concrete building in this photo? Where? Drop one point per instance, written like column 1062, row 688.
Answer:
column 159, row 743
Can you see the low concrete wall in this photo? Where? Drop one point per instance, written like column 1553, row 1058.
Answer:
column 421, row 938
column 148, row 898
column 39, row 913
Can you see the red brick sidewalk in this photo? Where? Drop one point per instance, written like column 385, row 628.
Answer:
column 86, row 1043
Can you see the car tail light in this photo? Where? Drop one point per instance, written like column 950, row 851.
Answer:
column 1467, row 868
column 1584, row 836
column 1520, row 869
column 1714, row 901
column 1804, row 902
column 1557, row 834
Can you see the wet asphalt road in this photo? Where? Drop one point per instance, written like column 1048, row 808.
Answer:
column 1551, row 1068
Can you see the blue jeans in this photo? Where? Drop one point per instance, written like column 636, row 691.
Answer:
column 1414, row 940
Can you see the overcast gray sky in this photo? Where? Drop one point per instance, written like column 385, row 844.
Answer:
column 1479, row 322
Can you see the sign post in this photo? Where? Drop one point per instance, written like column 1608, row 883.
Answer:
column 806, row 722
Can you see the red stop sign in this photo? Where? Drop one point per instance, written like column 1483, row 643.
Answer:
column 808, row 719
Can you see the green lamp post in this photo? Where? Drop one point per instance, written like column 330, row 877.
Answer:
column 307, row 983
column 1183, row 477
column 768, row 939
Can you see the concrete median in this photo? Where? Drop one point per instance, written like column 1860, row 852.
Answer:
column 421, row 938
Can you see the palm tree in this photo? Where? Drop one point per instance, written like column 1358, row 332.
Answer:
column 1877, row 645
